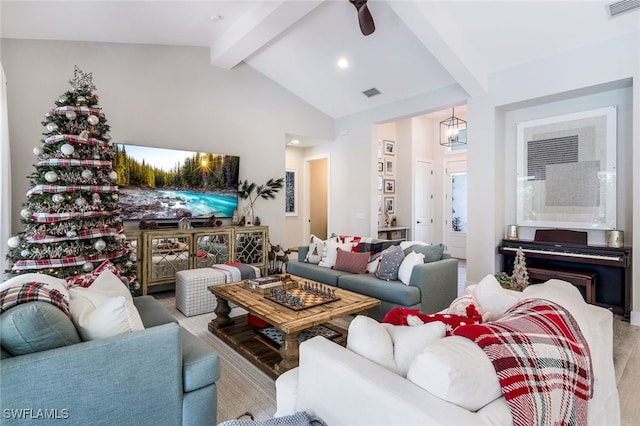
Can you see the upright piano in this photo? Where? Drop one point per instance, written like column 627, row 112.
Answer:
column 565, row 250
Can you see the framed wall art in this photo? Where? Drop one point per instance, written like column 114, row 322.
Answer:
column 566, row 170
column 389, row 147
column 389, row 205
column 389, row 186
column 291, row 193
column 388, row 166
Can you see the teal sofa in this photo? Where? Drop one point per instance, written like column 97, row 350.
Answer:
column 162, row 375
column 432, row 287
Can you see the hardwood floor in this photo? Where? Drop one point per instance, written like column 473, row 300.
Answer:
column 626, row 361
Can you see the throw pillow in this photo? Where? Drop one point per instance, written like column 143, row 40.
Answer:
column 408, row 342
column 35, row 326
column 467, row 305
column 406, row 267
column 85, row 280
column 432, row 252
column 353, row 262
column 331, row 253
column 104, row 309
column 390, row 261
column 457, row 370
column 368, row 338
column 493, row 298
column 316, row 250
column 372, row 266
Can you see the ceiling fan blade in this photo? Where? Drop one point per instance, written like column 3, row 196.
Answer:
column 364, row 17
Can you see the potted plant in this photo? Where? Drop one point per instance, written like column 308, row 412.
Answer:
column 251, row 192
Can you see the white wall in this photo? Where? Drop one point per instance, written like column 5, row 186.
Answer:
column 161, row 96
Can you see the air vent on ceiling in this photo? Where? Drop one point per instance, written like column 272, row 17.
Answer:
column 371, row 92
column 623, row 6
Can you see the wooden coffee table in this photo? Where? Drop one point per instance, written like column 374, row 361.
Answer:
column 241, row 336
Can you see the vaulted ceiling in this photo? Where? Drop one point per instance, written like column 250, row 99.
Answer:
column 417, row 47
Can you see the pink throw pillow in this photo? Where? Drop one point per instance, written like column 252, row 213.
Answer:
column 351, row 261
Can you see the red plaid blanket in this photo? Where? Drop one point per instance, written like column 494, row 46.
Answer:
column 33, row 292
column 542, row 361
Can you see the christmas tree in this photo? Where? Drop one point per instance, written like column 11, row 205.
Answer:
column 520, row 277
column 71, row 217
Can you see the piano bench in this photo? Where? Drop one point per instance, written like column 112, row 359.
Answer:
column 579, row 279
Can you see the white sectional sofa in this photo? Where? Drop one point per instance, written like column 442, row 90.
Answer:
column 345, row 388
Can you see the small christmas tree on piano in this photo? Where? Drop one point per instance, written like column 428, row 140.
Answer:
column 520, row 277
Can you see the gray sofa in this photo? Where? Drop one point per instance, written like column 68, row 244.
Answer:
column 162, row 375
column 432, row 287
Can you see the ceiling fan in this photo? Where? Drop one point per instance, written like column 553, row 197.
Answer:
column 364, row 16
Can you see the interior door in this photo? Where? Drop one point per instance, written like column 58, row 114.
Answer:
column 455, row 209
column 423, row 196
column 318, row 190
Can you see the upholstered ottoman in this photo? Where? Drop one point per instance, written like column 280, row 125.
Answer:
column 192, row 294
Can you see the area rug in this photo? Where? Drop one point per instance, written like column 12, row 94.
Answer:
column 274, row 336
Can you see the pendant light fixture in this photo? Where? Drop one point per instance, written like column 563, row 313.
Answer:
column 453, row 131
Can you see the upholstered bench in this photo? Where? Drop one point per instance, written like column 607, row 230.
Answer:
column 192, row 294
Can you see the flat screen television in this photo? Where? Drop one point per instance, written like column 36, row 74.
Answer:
column 165, row 185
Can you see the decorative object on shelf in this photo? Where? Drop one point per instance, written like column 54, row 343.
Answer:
column 212, row 222
column 184, row 223
column 148, row 225
column 453, row 131
column 387, row 219
column 615, row 238
column 234, row 218
column 251, row 192
column 256, row 221
column 512, row 232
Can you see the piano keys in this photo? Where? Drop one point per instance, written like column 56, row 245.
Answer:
column 564, row 250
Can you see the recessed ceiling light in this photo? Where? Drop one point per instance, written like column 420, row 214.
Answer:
column 295, row 142
column 343, row 63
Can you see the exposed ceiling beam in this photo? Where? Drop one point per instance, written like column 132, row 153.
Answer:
column 455, row 56
column 257, row 27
